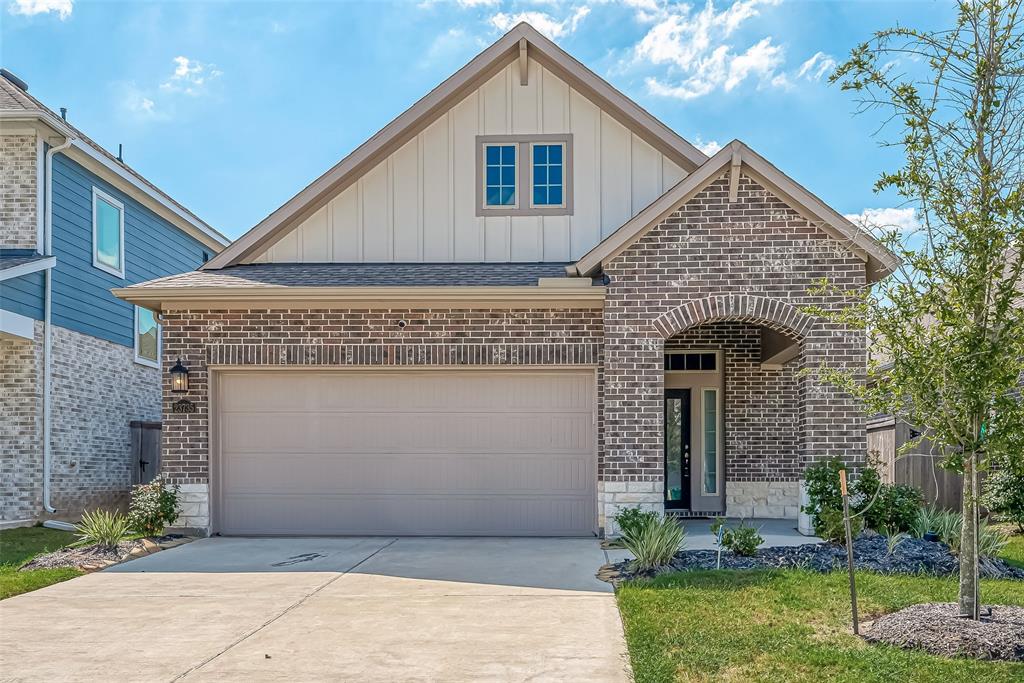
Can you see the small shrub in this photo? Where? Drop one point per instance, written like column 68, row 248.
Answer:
column 822, row 480
column 743, row 540
column 153, row 506
column 948, row 524
column 885, row 506
column 1004, row 495
column 102, row 528
column 630, row 520
column 829, row 525
column 893, row 541
column 654, row 542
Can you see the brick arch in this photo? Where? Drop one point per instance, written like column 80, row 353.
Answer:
column 772, row 313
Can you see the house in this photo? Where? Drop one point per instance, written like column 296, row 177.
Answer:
column 521, row 306
column 77, row 365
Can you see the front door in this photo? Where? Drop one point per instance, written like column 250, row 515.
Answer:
column 677, row 449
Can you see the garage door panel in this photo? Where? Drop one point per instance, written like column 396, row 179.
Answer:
column 462, row 452
column 405, row 515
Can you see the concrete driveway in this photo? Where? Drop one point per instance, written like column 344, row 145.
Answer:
column 319, row 609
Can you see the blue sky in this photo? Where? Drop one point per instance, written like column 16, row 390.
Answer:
column 233, row 107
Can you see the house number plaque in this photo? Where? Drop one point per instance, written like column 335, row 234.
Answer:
column 183, row 406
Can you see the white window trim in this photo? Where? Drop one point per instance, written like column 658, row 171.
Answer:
column 100, row 194
column 718, row 440
column 135, row 342
column 498, row 207
column 565, row 151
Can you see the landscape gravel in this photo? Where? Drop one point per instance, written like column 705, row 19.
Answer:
column 937, row 628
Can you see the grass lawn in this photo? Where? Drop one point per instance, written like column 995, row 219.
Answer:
column 1014, row 551
column 18, row 546
column 787, row 626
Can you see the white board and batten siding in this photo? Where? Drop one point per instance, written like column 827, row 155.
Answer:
column 419, row 204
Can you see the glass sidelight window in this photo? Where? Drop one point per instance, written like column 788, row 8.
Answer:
column 709, row 445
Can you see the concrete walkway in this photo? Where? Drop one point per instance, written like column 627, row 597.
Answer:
column 326, row 609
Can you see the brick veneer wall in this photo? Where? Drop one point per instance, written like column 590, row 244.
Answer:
column 356, row 338
column 98, row 389
column 713, row 260
column 18, row 205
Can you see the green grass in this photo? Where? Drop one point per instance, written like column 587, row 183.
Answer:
column 18, row 546
column 787, row 626
column 1014, row 551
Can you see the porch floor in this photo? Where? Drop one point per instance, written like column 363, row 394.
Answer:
column 776, row 532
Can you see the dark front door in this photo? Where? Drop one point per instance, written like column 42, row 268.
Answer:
column 677, row 449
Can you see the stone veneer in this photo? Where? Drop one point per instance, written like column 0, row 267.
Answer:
column 714, row 272
column 18, row 192
column 98, row 389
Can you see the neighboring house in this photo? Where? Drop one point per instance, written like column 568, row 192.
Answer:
column 521, row 306
column 74, row 223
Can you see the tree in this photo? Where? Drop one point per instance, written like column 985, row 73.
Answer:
column 948, row 326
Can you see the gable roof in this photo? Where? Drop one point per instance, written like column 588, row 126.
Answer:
column 17, row 105
column 738, row 156
column 441, row 99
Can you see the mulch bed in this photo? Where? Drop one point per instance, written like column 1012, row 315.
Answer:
column 93, row 555
column 870, row 552
column 936, row 628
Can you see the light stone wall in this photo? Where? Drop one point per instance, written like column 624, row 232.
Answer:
column 762, row 499
column 195, row 508
column 18, row 192
column 613, row 496
column 98, row 389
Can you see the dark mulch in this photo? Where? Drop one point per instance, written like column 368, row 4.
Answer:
column 936, row 628
column 89, row 555
column 870, row 552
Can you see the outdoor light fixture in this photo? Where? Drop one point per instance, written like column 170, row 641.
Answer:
column 179, row 378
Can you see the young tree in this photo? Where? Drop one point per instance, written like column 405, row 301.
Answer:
column 948, row 326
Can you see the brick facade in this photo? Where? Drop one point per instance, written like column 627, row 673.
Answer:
column 712, row 274
column 98, row 389
column 18, row 192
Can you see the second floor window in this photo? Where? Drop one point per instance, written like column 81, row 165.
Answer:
column 107, row 233
column 524, row 175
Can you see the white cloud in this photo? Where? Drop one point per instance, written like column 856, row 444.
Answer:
column 477, row 3
column 189, row 77
column 449, row 47
column 139, row 105
column 32, row 7
column 543, row 22
column 817, row 66
column 709, row 147
column 696, row 48
column 904, row 220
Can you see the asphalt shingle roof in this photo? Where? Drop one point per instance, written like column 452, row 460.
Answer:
column 12, row 260
column 364, row 275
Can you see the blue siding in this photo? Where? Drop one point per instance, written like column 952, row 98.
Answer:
column 23, row 295
column 81, row 292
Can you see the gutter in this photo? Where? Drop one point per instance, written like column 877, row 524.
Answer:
column 48, row 327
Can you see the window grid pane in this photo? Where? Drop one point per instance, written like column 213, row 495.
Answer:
column 108, row 234
column 547, row 175
column 500, row 175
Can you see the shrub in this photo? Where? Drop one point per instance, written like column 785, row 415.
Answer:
column 1004, row 495
column 886, row 506
column 822, row 480
column 630, row 520
column 153, row 506
column 829, row 525
column 654, row 542
column 743, row 540
column 102, row 528
column 948, row 525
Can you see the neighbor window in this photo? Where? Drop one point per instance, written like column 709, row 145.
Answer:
column 524, row 175
column 147, row 337
column 500, row 174
column 107, row 233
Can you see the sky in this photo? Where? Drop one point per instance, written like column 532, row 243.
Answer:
column 233, row 107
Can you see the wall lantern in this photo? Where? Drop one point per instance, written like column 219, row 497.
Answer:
column 179, row 378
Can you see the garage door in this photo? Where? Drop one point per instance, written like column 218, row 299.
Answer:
column 407, row 453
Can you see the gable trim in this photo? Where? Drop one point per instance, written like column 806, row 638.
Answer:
column 880, row 261
column 414, row 120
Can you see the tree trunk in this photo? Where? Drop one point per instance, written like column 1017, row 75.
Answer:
column 970, row 597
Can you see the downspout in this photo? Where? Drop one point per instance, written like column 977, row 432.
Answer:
column 47, row 327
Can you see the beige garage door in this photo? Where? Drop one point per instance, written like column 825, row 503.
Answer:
column 396, row 452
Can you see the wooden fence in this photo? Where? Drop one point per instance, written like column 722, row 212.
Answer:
column 918, row 468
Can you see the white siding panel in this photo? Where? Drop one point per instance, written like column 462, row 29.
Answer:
column 376, row 209
column 314, row 238
column 345, row 228
column 585, row 124
column 645, row 176
column 406, row 201
column 468, row 229
column 419, row 204
column 437, row 214
column 616, row 184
